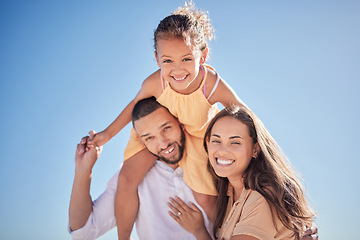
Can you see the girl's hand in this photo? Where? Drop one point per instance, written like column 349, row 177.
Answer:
column 189, row 217
column 98, row 139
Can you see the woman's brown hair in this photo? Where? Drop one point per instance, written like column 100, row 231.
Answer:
column 270, row 174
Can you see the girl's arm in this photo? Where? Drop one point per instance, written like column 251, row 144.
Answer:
column 226, row 95
column 149, row 88
column 223, row 92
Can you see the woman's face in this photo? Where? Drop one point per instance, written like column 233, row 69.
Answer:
column 230, row 148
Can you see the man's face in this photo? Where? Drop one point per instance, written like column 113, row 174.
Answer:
column 162, row 135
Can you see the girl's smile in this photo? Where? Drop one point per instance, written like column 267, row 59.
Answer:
column 179, row 80
column 180, row 64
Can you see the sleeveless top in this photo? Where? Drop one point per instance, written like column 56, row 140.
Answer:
column 194, row 112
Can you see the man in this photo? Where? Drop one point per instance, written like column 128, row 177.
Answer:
column 164, row 137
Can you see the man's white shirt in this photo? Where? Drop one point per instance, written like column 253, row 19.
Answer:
column 153, row 220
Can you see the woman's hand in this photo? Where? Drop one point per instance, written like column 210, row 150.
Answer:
column 189, row 217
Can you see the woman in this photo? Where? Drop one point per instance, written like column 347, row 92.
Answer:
column 259, row 194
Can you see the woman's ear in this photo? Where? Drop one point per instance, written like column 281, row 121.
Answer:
column 157, row 60
column 256, row 150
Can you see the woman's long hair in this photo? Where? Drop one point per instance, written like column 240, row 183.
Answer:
column 270, row 174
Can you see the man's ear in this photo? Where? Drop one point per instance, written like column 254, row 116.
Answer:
column 182, row 126
column 257, row 150
column 157, row 60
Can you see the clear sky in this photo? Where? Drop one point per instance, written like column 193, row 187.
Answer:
column 67, row 67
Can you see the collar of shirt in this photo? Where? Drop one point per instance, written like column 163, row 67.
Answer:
column 177, row 172
column 153, row 220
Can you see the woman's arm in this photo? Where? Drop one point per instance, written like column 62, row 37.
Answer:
column 243, row 237
column 189, row 217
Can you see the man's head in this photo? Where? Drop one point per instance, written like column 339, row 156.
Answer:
column 159, row 130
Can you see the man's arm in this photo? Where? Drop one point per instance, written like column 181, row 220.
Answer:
column 80, row 201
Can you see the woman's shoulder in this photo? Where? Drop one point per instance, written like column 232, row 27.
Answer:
column 257, row 218
column 258, row 210
column 254, row 199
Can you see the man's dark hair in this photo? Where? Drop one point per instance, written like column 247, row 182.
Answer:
column 144, row 107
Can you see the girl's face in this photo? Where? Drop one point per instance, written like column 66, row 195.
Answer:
column 180, row 64
column 230, row 148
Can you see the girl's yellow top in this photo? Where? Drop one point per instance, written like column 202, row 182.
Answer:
column 194, row 112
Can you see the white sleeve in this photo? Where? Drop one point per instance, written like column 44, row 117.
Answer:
column 102, row 218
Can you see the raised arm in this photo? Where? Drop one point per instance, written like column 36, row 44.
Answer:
column 149, row 88
column 80, row 206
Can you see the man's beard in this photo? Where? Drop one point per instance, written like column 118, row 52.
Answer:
column 180, row 146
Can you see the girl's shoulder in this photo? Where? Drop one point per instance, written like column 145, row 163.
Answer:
column 220, row 91
column 211, row 72
column 211, row 79
column 152, row 85
column 216, row 88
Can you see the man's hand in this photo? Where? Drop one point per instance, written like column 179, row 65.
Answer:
column 81, row 204
column 85, row 157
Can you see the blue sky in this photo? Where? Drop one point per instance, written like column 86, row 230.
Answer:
column 67, row 67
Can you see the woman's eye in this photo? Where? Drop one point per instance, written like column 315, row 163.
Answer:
column 167, row 61
column 215, row 141
column 187, row 59
column 236, row 143
column 167, row 128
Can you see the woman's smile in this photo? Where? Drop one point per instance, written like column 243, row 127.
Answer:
column 224, row 162
column 230, row 148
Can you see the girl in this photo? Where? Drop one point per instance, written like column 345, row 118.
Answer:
column 190, row 90
column 259, row 194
